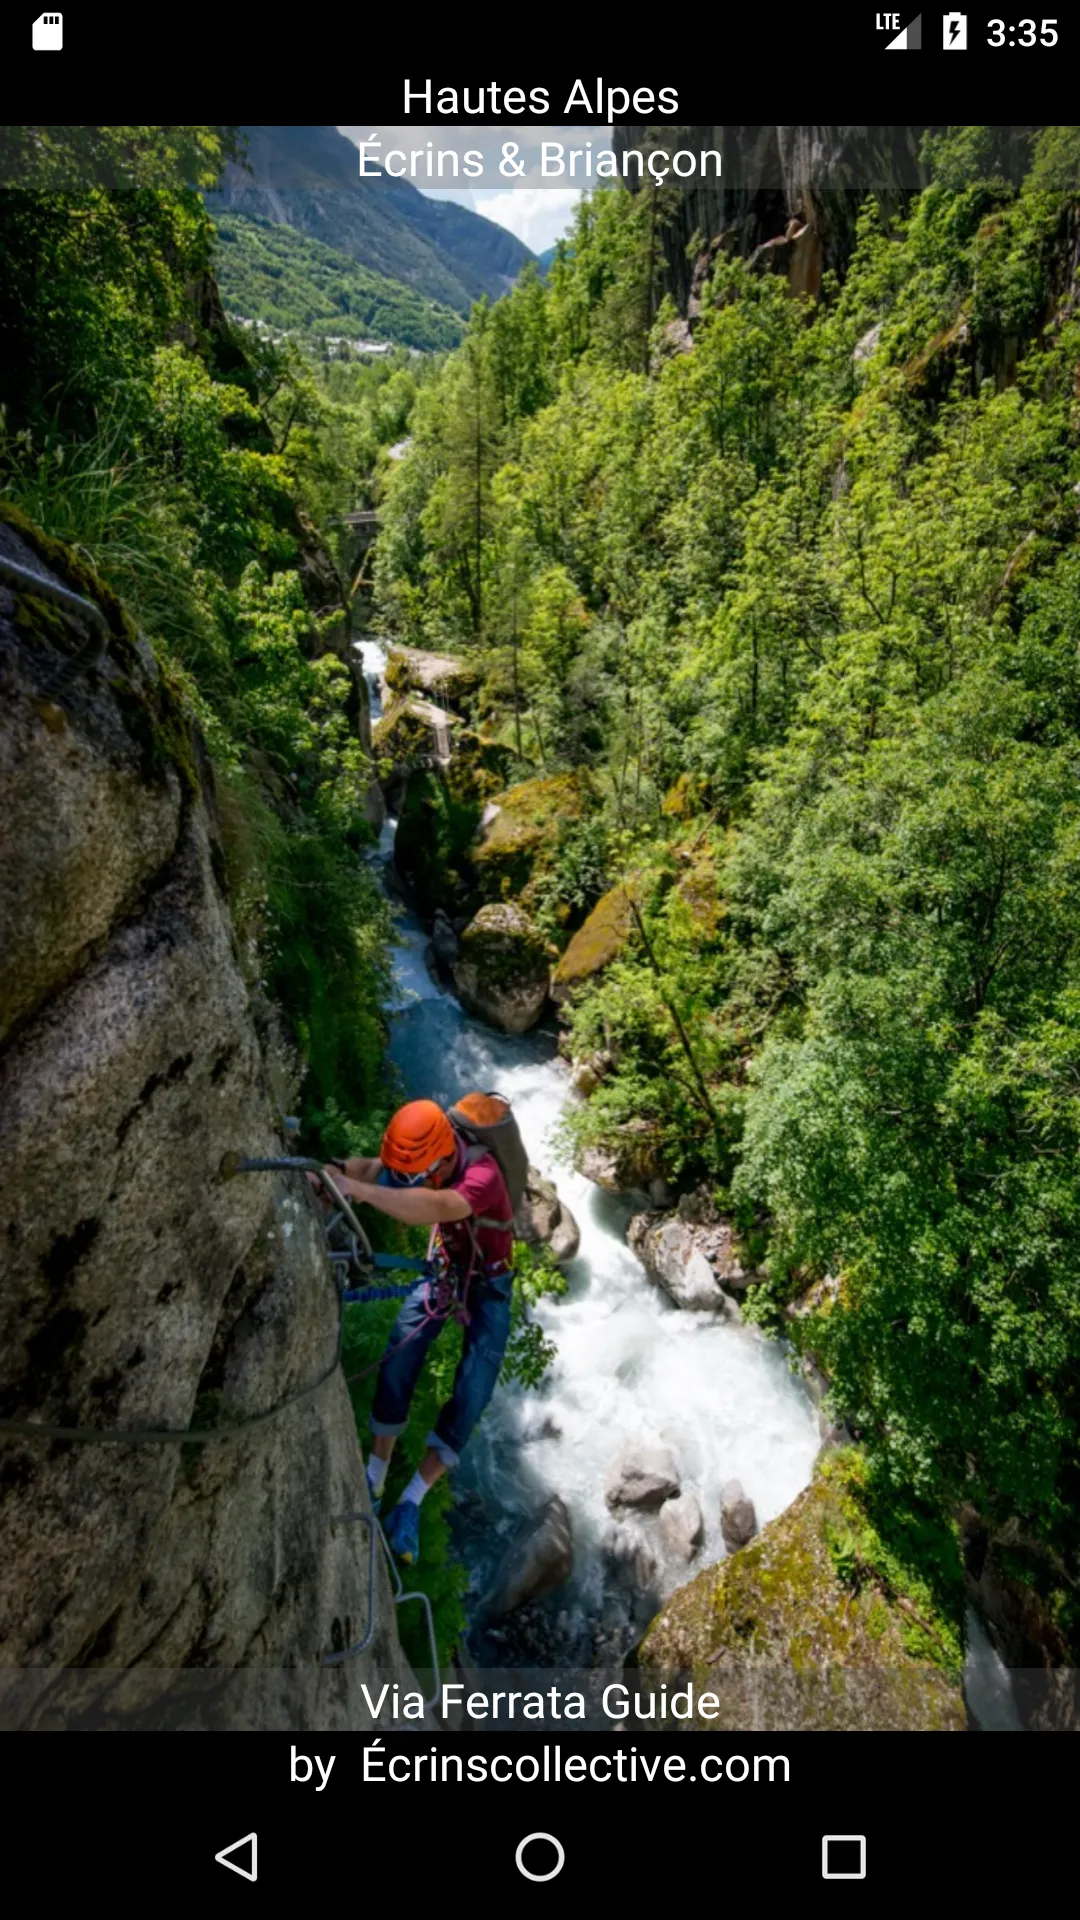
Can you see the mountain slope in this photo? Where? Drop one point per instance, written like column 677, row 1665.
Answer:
column 308, row 178
column 297, row 285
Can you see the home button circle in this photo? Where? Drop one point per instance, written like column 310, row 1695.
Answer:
column 541, row 1856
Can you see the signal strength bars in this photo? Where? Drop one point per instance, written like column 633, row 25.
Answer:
column 909, row 39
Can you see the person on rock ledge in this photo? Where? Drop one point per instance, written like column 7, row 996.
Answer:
column 426, row 1175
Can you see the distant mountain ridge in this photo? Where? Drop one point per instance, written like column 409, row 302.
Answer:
column 292, row 284
column 309, row 178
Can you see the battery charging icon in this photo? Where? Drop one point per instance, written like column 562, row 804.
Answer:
column 954, row 32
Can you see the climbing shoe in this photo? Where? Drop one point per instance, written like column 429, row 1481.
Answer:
column 403, row 1532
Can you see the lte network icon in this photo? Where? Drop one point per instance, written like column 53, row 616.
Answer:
column 49, row 33
column 954, row 32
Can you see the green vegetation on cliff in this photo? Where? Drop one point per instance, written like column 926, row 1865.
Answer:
column 189, row 467
column 829, row 1619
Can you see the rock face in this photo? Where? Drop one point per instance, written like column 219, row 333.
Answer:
column 642, row 1477
column 738, row 1521
column 518, row 838
column 540, row 1560
column 437, row 676
column 444, row 941
column 682, row 1525
column 586, row 1074
column 1021, row 1623
column 140, row 1289
column 805, row 1628
column 626, row 1162
column 672, row 1253
column 502, row 972
column 770, row 196
column 596, row 943
column 429, row 847
column 630, row 1559
column 542, row 1218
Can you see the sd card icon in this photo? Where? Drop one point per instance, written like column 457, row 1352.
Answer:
column 48, row 33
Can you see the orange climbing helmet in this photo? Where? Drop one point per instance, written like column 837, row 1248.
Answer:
column 418, row 1137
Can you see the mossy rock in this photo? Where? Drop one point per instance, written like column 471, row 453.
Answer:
column 153, row 705
column 437, row 676
column 502, row 970
column 596, row 943
column 686, row 797
column 698, row 892
column 478, row 766
column 829, row 1619
column 402, row 735
column 519, row 840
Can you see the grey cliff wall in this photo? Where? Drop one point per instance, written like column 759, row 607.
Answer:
column 775, row 179
column 137, row 1287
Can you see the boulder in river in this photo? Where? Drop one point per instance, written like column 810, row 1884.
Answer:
column 738, row 1521
column 815, row 1626
column 682, row 1525
column 630, row 1559
column 626, row 1161
column 444, row 940
column 587, row 1073
column 543, row 1219
column 540, row 1559
column 642, row 1477
column 502, row 971
column 439, row 676
column 668, row 1249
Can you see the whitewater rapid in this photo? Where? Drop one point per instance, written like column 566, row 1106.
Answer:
column 630, row 1368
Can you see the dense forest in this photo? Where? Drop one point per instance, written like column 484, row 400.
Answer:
column 790, row 603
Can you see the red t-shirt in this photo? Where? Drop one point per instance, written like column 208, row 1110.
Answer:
column 485, row 1189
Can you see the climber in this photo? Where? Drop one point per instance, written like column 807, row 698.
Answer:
column 425, row 1175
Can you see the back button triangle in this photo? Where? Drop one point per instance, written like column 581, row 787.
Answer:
column 249, row 1840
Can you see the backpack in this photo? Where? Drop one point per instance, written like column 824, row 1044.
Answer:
column 485, row 1123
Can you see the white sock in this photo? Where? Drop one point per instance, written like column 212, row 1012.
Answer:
column 376, row 1475
column 416, row 1489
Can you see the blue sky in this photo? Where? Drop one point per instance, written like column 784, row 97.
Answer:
column 537, row 214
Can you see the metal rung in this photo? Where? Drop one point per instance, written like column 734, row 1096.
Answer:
column 351, row 1653
column 401, row 1599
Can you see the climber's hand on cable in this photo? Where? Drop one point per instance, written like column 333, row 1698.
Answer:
column 346, row 1186
column 315, row 1183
